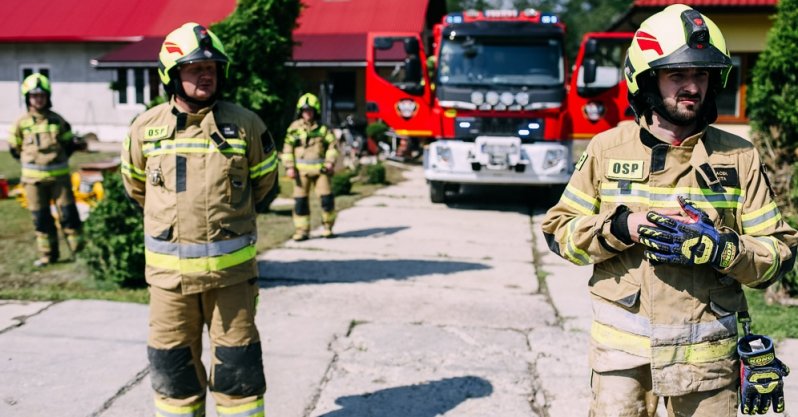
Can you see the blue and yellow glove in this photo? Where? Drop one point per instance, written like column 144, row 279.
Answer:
column 688, row 243
column 761, row 375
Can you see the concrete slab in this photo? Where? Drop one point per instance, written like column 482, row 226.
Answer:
column 14, row 313
column 97, row 344
column 420, row 370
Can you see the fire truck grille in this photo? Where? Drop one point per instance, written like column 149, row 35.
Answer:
column 529, row 130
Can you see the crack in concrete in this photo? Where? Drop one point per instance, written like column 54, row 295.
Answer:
column 314, row 401
column 122, row 391
column 21, row 320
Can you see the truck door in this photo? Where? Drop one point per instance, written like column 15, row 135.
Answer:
column 397, row 84
column 597, row 98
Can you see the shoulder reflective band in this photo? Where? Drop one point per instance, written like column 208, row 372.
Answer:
column 266, row 166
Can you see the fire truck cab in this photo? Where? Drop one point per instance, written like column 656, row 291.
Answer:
column 489, row 101
column 597, row 96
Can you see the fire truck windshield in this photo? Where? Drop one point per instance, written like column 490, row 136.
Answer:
column 531, row 62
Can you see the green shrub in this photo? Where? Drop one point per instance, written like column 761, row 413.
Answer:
column 342, row 182
column 375, row 174
column 377, row 131
column 114, row 235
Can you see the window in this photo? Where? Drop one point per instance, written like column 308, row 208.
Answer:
column 343, row 92
column 731, row 100
column 28, row 69
column 136, row 85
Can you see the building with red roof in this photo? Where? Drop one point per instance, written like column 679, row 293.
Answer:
column 62, row 38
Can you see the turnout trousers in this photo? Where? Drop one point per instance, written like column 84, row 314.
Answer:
column 628, row 393
column 178, row 376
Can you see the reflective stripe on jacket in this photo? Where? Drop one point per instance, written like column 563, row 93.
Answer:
column 41, row 139
column 198, row 183
column 308, row 146
column 680, row 320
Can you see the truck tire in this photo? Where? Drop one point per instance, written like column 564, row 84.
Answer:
column 437, row 192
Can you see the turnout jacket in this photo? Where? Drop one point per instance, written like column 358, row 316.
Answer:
column 43, row 141
column 198, row 178
column 308, row 146
column 679, row 320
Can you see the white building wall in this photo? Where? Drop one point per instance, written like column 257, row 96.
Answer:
column 81, row 93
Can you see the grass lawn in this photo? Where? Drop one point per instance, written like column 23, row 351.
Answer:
column 70, row 280
column 773, row 320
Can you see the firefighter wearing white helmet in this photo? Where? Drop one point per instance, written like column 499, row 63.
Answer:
column 201, row 168
column 309, row 153
column 675, row 216
column 43, row 141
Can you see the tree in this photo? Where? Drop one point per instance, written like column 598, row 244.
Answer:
column 258, row 38
column 774, row 115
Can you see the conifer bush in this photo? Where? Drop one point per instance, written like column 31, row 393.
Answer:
column 114, row 236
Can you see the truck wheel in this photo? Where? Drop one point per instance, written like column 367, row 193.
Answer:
column 437, row 192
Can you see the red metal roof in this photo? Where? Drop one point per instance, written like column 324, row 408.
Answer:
column 335, row 30
column 707, row 3
column 102, row 20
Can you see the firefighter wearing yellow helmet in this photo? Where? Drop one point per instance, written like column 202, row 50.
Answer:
column 676, row 217
column 309, row 153
column 201, row 168
column 43, row 141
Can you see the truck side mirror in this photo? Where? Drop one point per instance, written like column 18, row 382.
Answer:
column 411, row 46
column 383, row 43
column 589, row 71
column 591, row 47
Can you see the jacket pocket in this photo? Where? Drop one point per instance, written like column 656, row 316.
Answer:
column 235, row 228
column 156, row 228
column 237, row 177
column 727, row 300
column 616, row 290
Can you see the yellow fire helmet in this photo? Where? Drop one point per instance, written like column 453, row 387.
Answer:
column 677, row 37
column 308, row 100
column 189, row 43
column 36, row 83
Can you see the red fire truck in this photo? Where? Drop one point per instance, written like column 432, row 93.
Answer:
column 490, row 101
column 597, row 96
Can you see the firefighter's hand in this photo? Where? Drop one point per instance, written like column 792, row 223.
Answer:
column 691, row 240
column 761, row 375
column 290, row 173
column 635, row 220
column 328, row 168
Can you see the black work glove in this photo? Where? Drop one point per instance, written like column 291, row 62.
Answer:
column 694, row 243
column 761, row 375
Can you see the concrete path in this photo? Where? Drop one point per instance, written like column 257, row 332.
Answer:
column 415, row 310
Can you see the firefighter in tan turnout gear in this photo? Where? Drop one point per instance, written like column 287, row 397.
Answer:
column 676, row 216
column 199, row 167
column 309, row 153
column 43, row 141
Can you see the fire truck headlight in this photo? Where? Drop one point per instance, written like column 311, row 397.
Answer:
column 522, row 98
column 593, row 111
column 492, row 98
column 507, row 98
column 444, row 154
column 553, row 158
column 477, row 97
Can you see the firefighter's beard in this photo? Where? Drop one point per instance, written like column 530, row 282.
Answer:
column 683, row 112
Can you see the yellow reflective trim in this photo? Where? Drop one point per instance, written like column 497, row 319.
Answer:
column 242, row 410
column 695, row 353
column 188, row 410
column 32, row 173
column 756, row 213
column 301, row 222
column 771, row 244
column 576, row 206
column 194, row 265
column 620, row 340
column 331, row 153
column 126, row 142
column 762, row 226
column 268, row 165
column 404, row 132
column 572, row 252
column 192, row 145
column 133, row 172
column 42, row 128
column 309, row 167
